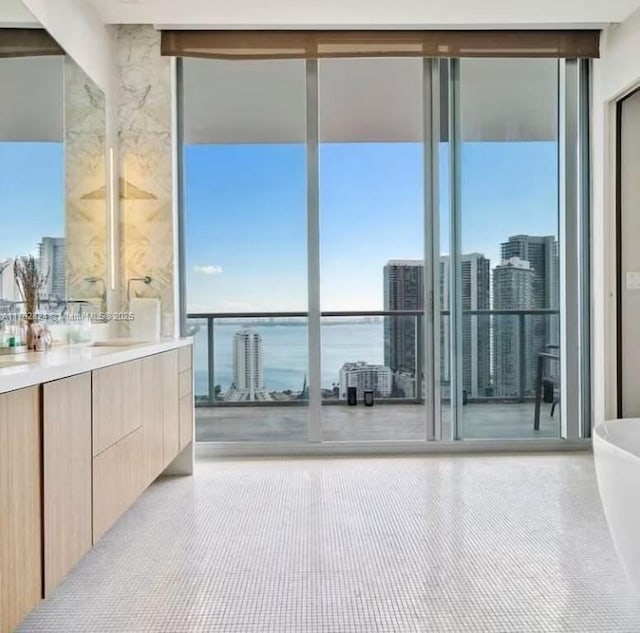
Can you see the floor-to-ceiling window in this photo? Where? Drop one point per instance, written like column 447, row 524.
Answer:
column 245, row 218
column 508, row 271
column 371, row 182
column 400, row 231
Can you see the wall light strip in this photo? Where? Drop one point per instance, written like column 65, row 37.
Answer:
column 112, row 221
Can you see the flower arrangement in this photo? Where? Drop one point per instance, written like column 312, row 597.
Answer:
column 30, row 281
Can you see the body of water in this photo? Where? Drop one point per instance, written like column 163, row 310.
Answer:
column 285, row 352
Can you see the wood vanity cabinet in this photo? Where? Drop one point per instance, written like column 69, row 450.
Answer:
column 167, row 411
column 75, row 453
column 118, row 480
column 185, row 384
column 67, row 468
column 153, row 422
column 118, row 442
column 137, row 431
column 117, row 403
column 20, row 510
column 170, row 394
column 161, row 427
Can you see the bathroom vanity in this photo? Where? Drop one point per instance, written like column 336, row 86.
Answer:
column 84, row 430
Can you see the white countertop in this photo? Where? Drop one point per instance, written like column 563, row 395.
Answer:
column 33, row 368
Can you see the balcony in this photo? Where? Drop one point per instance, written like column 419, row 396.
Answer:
column 498, row 345
column 388, row 422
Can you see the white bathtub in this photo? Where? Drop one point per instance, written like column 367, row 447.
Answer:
column 616, row 447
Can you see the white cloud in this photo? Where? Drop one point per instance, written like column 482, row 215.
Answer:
column 208, row 270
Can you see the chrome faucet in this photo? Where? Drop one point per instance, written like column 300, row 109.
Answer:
column 145, row 280
column 96, row 280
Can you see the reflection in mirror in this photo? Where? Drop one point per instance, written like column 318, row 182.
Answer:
column 85, row 226
column 32, row 172
column 52, row 175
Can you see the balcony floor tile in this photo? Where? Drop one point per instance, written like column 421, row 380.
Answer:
column 383, row 422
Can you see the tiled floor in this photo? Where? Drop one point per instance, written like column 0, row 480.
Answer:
column 383, row 422
column 430, row 544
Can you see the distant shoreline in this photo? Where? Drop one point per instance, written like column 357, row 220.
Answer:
column 299, row 322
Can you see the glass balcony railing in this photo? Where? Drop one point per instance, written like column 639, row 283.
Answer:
column 261, row 359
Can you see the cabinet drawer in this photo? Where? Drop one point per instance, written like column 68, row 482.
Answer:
column 186, row 420
column 170, row 405
column 185, row 383
column 67, row 463
column 153, row 416
column 185, row 358
column 20, row 527
column 118, row 479
column 117, row 393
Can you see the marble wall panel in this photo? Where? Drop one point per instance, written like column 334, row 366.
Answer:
column 146, row 168
column 85, row 179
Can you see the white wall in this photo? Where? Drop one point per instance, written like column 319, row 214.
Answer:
column 614, row 74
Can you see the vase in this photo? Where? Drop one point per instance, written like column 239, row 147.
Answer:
column 30, row 337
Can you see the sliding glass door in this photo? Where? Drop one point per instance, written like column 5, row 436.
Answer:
column 245, row 218
column 371, row 183
column 385, row 249
column 508, row 247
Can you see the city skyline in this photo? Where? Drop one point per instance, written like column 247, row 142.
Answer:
column 50, row 258
column 491, row 349
column 491, row 365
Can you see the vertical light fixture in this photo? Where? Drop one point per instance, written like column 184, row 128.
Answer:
column 112, row 222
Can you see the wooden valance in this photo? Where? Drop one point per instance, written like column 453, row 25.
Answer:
column 282, row 44
column 27, row 43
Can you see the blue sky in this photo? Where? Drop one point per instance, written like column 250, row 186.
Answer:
column 31, row 195
column 246, row 216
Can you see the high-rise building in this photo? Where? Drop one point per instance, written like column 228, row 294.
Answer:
column 445, row 322
column 52, row 263
column 541, row 251
column 365, row 377
column 403, row 290
column 248, row 370
column 8, row 288
column 475, row 272
column 513, row 355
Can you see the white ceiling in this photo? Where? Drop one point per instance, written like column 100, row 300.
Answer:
column 365, row 13
column 27, row 84
column 363, row 100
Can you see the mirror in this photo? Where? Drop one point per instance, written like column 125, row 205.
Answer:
column 53, row 202
column 85, row 188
